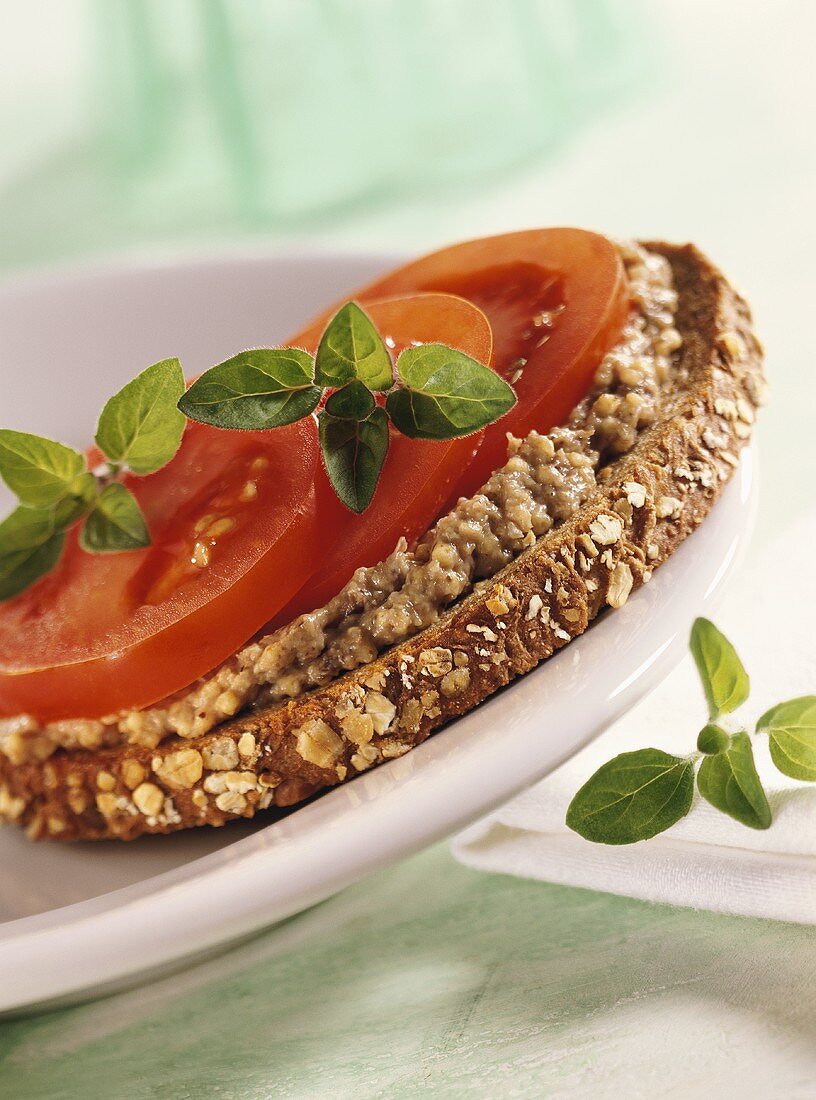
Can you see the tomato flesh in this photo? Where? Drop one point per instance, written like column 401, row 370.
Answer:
column 556, row 300
column 418, row 479
column 233, row 523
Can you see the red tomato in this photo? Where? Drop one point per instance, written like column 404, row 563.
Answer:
column 233, row 523
column 556, row 300
column 417, row 480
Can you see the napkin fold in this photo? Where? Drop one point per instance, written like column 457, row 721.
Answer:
column 707, row 860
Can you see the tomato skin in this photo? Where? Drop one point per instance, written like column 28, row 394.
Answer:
column 577, row 275
column 419, row 479
column 107, row 632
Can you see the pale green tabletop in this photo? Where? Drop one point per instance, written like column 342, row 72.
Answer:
column 429, row 978
column 432, row 979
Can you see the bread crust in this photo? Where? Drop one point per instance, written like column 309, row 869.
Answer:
column 651, row 499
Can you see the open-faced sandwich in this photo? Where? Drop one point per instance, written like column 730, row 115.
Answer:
column 315, row 556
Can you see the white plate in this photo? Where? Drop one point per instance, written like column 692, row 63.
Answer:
column 83, row 918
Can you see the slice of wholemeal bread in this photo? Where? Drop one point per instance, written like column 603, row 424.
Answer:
column 650, row 500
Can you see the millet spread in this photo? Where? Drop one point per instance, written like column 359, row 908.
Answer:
column 545, row 479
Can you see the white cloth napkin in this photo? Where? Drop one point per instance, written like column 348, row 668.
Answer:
column 708, row 860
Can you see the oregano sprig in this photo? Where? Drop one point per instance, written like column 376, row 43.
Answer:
column 639, row 794
column 139, row 430
column 433, row 392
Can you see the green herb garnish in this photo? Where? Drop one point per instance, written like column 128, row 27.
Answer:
column 439, row 393
column 633, row 797
column 352, row 348
column 139, row 430
column 354, row 442
column 790, row 728
column 256, row 390
column 444, row 394
column 141, row 426
column 640, row 794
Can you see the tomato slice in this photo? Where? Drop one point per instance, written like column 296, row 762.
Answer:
column 418, row 478
column 556, row 300
column 234, row 529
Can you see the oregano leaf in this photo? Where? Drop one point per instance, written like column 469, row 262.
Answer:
column 353, row 402
column 633, row 797
column 712, row 739
column 351, row 347
column 791, row 729
column 729, row 781
column 115, row 524
column 445, row 394
column 38, row 470
column 141, row 426
column 30, row 547
column 255, row 390
column 725, row 681
column 353, row 455
column 77, row 503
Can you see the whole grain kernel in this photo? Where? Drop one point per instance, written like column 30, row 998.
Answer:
column 435, row 661
column 455, row 682
column 105, row 781
column 357, row 727
column 635, row 493
column 496, row 605
column 317, row 743
column 247, row 744
column 11, row 807
column 133, row 773
column 231, row 802
column 606, row 529
column 77, row 801
column 668, row 506
column 380, row 710
column 590, row 549
column 106, row 803
column 533, row 607
column 221, row 754
column 620, row 585
column 181, row 769
column 148, row 799
column 241, row 781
